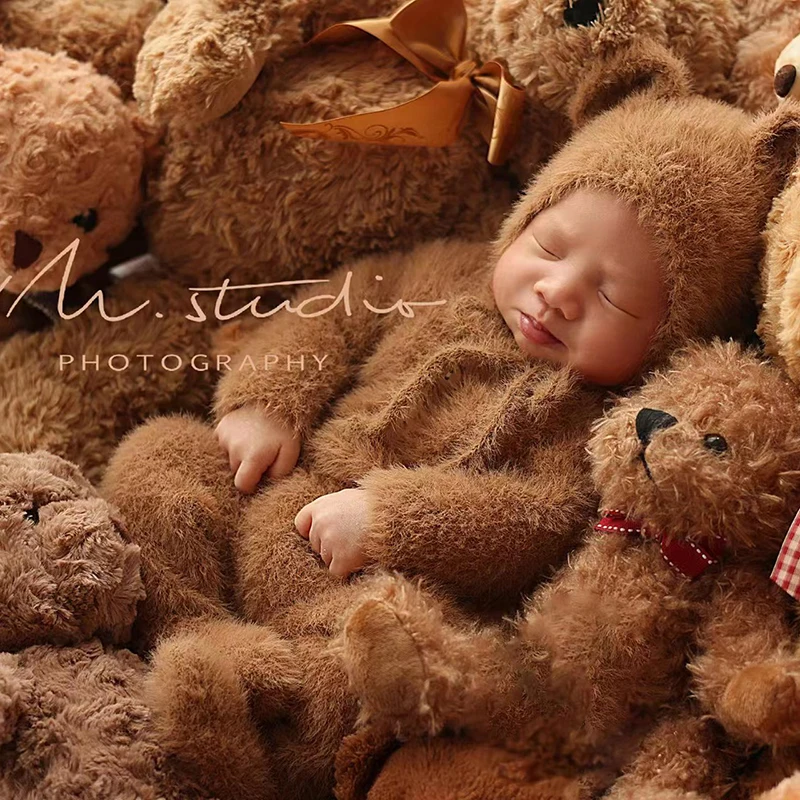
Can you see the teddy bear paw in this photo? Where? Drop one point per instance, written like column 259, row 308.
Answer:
column 763, row 703
column 385, row 666
column 193, row 65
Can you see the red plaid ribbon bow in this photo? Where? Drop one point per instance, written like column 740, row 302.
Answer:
column 785, row 572
column 686, row 558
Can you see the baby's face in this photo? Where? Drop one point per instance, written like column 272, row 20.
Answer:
column 582, row 286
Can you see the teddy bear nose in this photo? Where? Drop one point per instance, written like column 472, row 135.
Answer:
column 26, row 249
column 784, row 80
column 650, row 420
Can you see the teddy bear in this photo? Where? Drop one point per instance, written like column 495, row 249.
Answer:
column 761, row 73
column 73, row 719
column 698, row 477
column 786, row 83
column 107, row 34
column 238, row 194
column 73, row 154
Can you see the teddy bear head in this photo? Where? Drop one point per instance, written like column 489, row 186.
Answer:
column 549, row 44
column 709, row 447
column 71, row 160
column 66, row 570
column 787, row 81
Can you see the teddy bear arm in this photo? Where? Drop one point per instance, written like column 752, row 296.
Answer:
column 747, row 673
column 200, row 57
column 485, row 536
column 298, row 396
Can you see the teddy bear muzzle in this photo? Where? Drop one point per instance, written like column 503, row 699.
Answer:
column 650, row 420
column 27, row 249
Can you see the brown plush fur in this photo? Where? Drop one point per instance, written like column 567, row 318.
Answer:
column 440, row 416
column 67, row 572
column 768, row 27
column 604, row 645
column 107, row 34
column 241, row 196
column 73, row 721
column 70, row 144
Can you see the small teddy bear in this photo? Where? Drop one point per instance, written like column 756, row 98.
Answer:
column 73, row 721
column 699, row 474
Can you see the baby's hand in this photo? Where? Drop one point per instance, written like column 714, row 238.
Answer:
column 256, row 442
column 335, row 526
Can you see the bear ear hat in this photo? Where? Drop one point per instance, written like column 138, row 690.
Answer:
column 645, row 67
column 776, row 139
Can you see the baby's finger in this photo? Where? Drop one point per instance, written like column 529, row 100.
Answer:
column 326, row 555
column 339, row 568
column 314, row 538
column 303, row 521
column 248, row 475
column 235, row 462
column 285, row 462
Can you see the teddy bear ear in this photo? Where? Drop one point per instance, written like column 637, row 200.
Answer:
column 776, row 138
column 644, row 66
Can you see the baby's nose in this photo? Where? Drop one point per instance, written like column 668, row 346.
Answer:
column 26, row 249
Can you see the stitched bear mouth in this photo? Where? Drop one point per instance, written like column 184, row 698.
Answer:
column 646, row 465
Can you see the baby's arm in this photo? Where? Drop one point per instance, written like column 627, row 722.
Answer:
column 266, row 407
column 485, row 536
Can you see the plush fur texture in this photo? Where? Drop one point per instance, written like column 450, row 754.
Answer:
column 768, row 28
column 71, row 146
column 73, row 721
column 200, row 56
column 606, row 644
column 440, row 416
column 107, row 34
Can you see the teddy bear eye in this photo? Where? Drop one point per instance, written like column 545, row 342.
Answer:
column 580, row 13
column 32, row 514
column 87, row 221
column 715, row 443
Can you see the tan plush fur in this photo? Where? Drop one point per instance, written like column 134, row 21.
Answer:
column 466, row 446
column 107, row 34
column 768, row 28
column 241, row 196
column 70, row 145
column 606, row 644
column 73, row 720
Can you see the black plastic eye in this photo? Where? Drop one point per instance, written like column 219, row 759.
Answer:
column 580, row 13
column 715, row 443
column 32, row 514
column 87, row 221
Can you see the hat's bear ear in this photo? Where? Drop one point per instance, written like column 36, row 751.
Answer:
column 644, row 66
column 776, row 139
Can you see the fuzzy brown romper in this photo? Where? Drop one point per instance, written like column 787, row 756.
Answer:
column 474, row 455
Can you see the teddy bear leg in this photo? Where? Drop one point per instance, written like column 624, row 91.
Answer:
column 417, row 672
column 275, row 566
column 209, row 687
column 683, row 757
column 173, row 485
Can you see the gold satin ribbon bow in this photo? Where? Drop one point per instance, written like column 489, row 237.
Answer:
column 431, row 34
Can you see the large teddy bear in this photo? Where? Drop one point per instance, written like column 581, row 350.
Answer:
column 239, row 195
column 699, row 475
column 72, row 161
column 73, row 721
